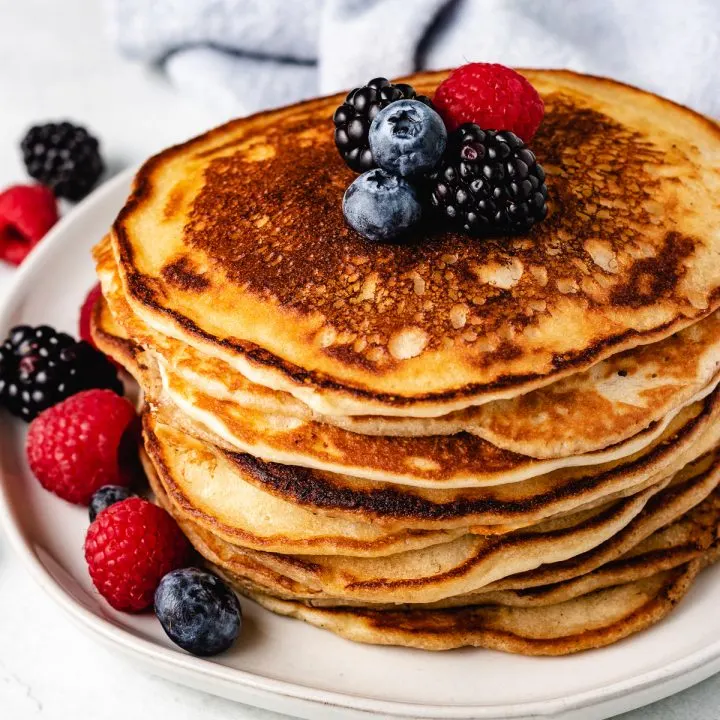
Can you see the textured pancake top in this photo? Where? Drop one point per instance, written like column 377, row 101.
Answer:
column 236, row 241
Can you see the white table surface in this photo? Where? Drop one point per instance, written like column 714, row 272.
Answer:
column 56, row 62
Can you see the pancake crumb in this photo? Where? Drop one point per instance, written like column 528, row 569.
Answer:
column 407, row 343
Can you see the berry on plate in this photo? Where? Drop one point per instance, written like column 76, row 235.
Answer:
column 198, row 611
column 492, row 96
column 63, row 156
column 27, row 212
column 106, row 496
column 39, row 367
column 129, row 548
column 407, row 137
column 352, row 119
column 75, row 447
column 489, row 182
column 381, row 206
column 86, row 312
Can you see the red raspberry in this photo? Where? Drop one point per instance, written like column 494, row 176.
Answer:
column 492, row 96
column 86, row 314
column 27, row 212
column 129, row 548
column 74, row 447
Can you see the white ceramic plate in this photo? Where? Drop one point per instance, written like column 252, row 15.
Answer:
column 282, row 664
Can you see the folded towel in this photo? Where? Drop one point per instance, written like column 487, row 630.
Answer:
column 239, row 56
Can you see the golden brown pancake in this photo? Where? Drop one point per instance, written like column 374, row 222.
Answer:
column 460, row 460
column 590, row 621
column 212, row 492
column 676, row 526
column 621, row 397
column 601, row 608
column 524, row 503
column 441, row 571
column 501, row 508
column 234, row 242
column 507, row 443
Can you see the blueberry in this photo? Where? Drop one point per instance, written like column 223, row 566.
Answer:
column 106, row 496
column 380, row 205
column 198, row 611
column 407, row 137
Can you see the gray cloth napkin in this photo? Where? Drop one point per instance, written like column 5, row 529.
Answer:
column 239, row 56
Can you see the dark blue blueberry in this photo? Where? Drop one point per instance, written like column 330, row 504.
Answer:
column 106, row 496
column 198, row 611
column 380, row 205
column 408, row 138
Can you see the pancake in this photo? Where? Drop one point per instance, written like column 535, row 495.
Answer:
column 234, row 243
column 590, row 621
column 523, row 502
column 430, row 575
column 458, row 461
column 682, row 517
column 682, row 536
column 446, row 461
column 214, row 494
column 464, row 566
column 457, row 457
column 112, row 339
column 617, row 399
column 520, row 504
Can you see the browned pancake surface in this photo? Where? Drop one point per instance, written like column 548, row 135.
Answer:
column 265, row 266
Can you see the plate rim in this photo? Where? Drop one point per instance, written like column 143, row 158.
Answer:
column 682, row 672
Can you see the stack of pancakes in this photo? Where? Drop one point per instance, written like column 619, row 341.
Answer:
column 507, row 443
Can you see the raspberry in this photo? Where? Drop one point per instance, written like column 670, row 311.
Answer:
column 76, row 447
column 27, row 212
column 492, row 96
column 129, row 548
column 86, row 314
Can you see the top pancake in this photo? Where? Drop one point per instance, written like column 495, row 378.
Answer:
column 235, row 242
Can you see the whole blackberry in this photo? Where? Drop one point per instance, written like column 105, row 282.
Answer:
column 488, row 182
column 353, row 118
column 64, row 157
column 40, row 367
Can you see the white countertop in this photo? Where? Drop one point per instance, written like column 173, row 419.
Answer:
column 56, row 62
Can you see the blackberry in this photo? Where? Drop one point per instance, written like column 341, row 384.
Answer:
column 488, row 182
column 64, row 157
column 40, row 367
column 353, row 118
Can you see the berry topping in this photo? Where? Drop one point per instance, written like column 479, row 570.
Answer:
column 492, row 96
column 39, row 367
column 129, row 548
column 407, row 137
column 352, row 119
column 76, row 447
column 27, row 212
column 198, row 611
column 489, row 182
column 106, row 496
column 86, row 314
column 380, row 205
column 63, row 156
